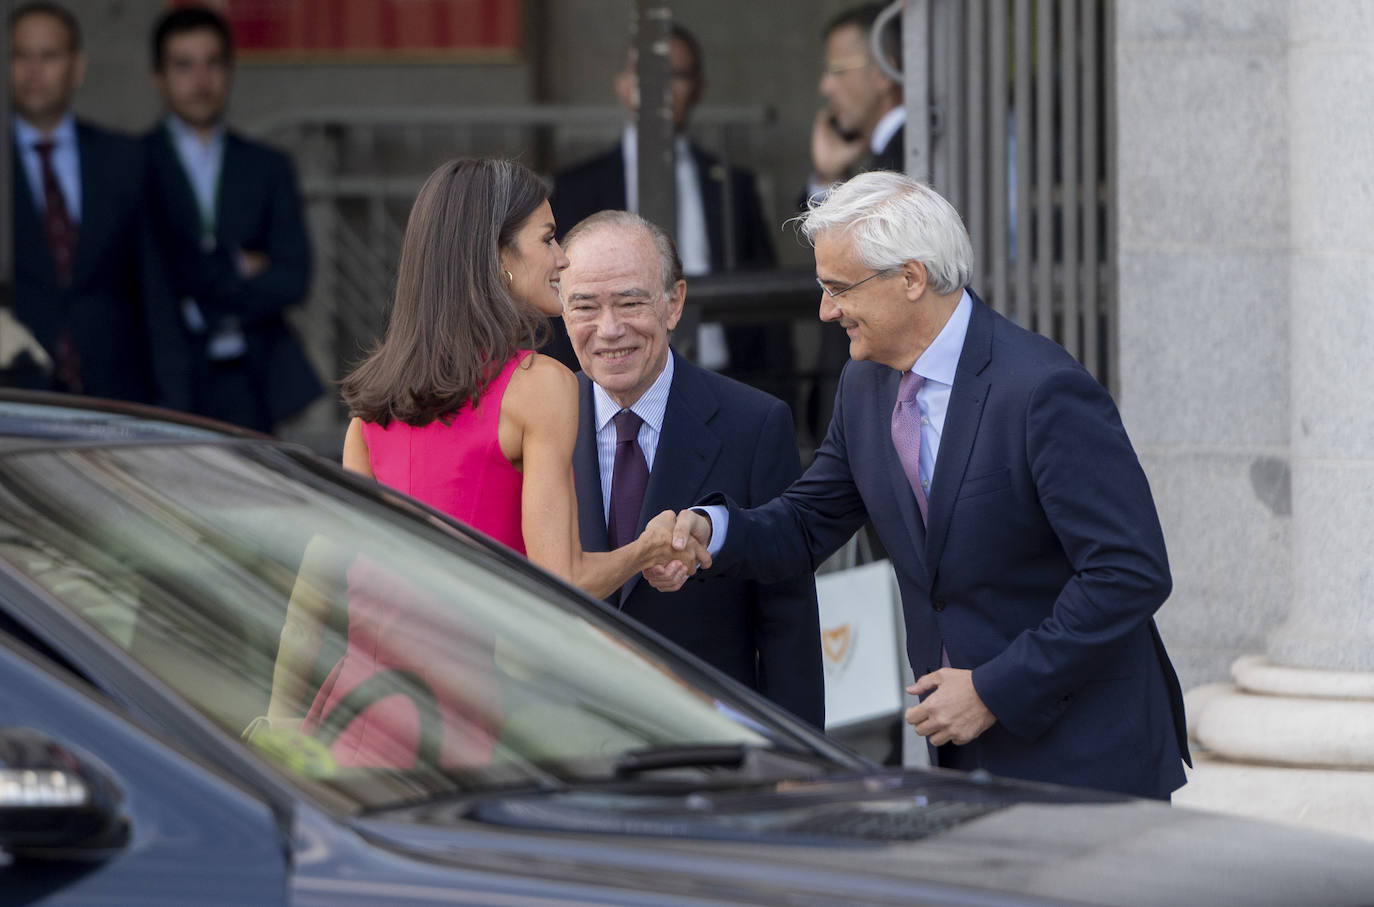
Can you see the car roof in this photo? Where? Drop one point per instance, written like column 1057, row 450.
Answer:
column 37, row 416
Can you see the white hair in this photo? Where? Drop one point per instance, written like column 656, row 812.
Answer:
column 893, row 219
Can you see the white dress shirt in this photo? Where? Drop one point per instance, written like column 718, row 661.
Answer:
column 693, row 246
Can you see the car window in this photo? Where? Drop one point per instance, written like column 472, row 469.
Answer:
column 397, row 663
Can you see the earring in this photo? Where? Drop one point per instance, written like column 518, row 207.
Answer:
column 510, row 278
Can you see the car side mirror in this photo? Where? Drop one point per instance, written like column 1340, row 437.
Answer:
column 55, row 805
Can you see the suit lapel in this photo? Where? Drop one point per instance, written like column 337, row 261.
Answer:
column 687, row 446
column 709, row 176
column 687, row 449
column 30, row 242
column 892, row 466
column 96, row 202
column 182, row 212
column 591, row 519
column 233, row 192
column 965, row 411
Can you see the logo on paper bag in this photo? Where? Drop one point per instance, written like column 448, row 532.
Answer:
column 837, row 645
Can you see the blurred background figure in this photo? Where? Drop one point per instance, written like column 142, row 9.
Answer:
column 860, row 126
column 85, row 285
column 720, row 223
column 228, row 220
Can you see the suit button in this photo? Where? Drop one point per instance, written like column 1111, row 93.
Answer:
column 938, row 604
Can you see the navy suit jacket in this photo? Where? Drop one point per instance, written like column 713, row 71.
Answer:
column 117, row 308
column 599, row 185
column 718, row 434
column 258, row 209
column 1040, row 570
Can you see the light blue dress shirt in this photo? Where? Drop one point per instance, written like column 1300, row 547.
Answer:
column 66, row 163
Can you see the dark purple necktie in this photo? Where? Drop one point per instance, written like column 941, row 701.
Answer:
column 57, row 221
column 60, row 230
column 629, row 478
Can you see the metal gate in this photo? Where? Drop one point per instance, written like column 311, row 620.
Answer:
column 1010, row 113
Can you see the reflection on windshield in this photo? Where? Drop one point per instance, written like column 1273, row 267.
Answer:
column 398, row 665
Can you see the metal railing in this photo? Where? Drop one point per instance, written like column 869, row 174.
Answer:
column 1019, row 100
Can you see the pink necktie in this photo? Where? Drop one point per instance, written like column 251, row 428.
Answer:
column 906, row 435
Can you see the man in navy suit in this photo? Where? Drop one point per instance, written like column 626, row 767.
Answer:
column 1001, row 481
column 229, row 221
column 689, row 431
column 86, row 284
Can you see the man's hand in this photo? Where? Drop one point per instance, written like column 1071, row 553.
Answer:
column 15, row 340
column 953, row 713
column 251, row 263
column 831, row 155
column 690, row 534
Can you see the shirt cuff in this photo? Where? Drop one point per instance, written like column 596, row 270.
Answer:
column 720, row 524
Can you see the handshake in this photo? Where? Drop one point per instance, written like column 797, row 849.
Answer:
column 674, row 548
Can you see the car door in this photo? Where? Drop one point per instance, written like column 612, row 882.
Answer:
column 187, row 837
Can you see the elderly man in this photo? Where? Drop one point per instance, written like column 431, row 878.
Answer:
column 1002, row 483
column 656, row 433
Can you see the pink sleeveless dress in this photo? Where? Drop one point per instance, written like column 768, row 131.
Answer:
column 396, row 630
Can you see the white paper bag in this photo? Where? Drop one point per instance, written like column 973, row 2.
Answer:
column 860, row 643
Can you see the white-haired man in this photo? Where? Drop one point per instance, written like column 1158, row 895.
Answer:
column 1001, row 481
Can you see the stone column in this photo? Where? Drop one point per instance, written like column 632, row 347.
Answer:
column 1293, row 738
column 1202, row 151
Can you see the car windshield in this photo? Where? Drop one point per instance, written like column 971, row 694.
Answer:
column 401, row 660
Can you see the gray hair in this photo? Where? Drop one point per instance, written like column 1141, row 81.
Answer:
column 669, row 264
column 892, row 219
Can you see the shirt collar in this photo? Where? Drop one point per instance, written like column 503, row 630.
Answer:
column 887, row 127
column 63, row 136
column 650, row 406
column 941, row 359
column 185, row 134
column 629, row 144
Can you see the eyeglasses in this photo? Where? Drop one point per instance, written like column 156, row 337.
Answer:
column 840, row 292
column 845, row 64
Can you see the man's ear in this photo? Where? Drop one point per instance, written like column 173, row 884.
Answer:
column 80, row 70
column 914, row 279
column 675, row 300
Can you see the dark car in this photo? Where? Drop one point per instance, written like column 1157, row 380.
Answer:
column 151, row 567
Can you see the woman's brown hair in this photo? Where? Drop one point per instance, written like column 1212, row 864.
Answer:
column 454, row 323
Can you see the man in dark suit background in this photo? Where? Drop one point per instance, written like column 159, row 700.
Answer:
column 720, row 224
column 861, row 125
column 655, row 433
column 86, row 283
column 1001, row 481
column 229, row 220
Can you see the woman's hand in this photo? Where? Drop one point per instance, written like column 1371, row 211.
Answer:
column 670, row 567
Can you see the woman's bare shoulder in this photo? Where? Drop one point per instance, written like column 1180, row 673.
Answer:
column 541, row 376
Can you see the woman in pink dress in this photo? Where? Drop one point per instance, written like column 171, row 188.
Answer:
column 453, row 408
